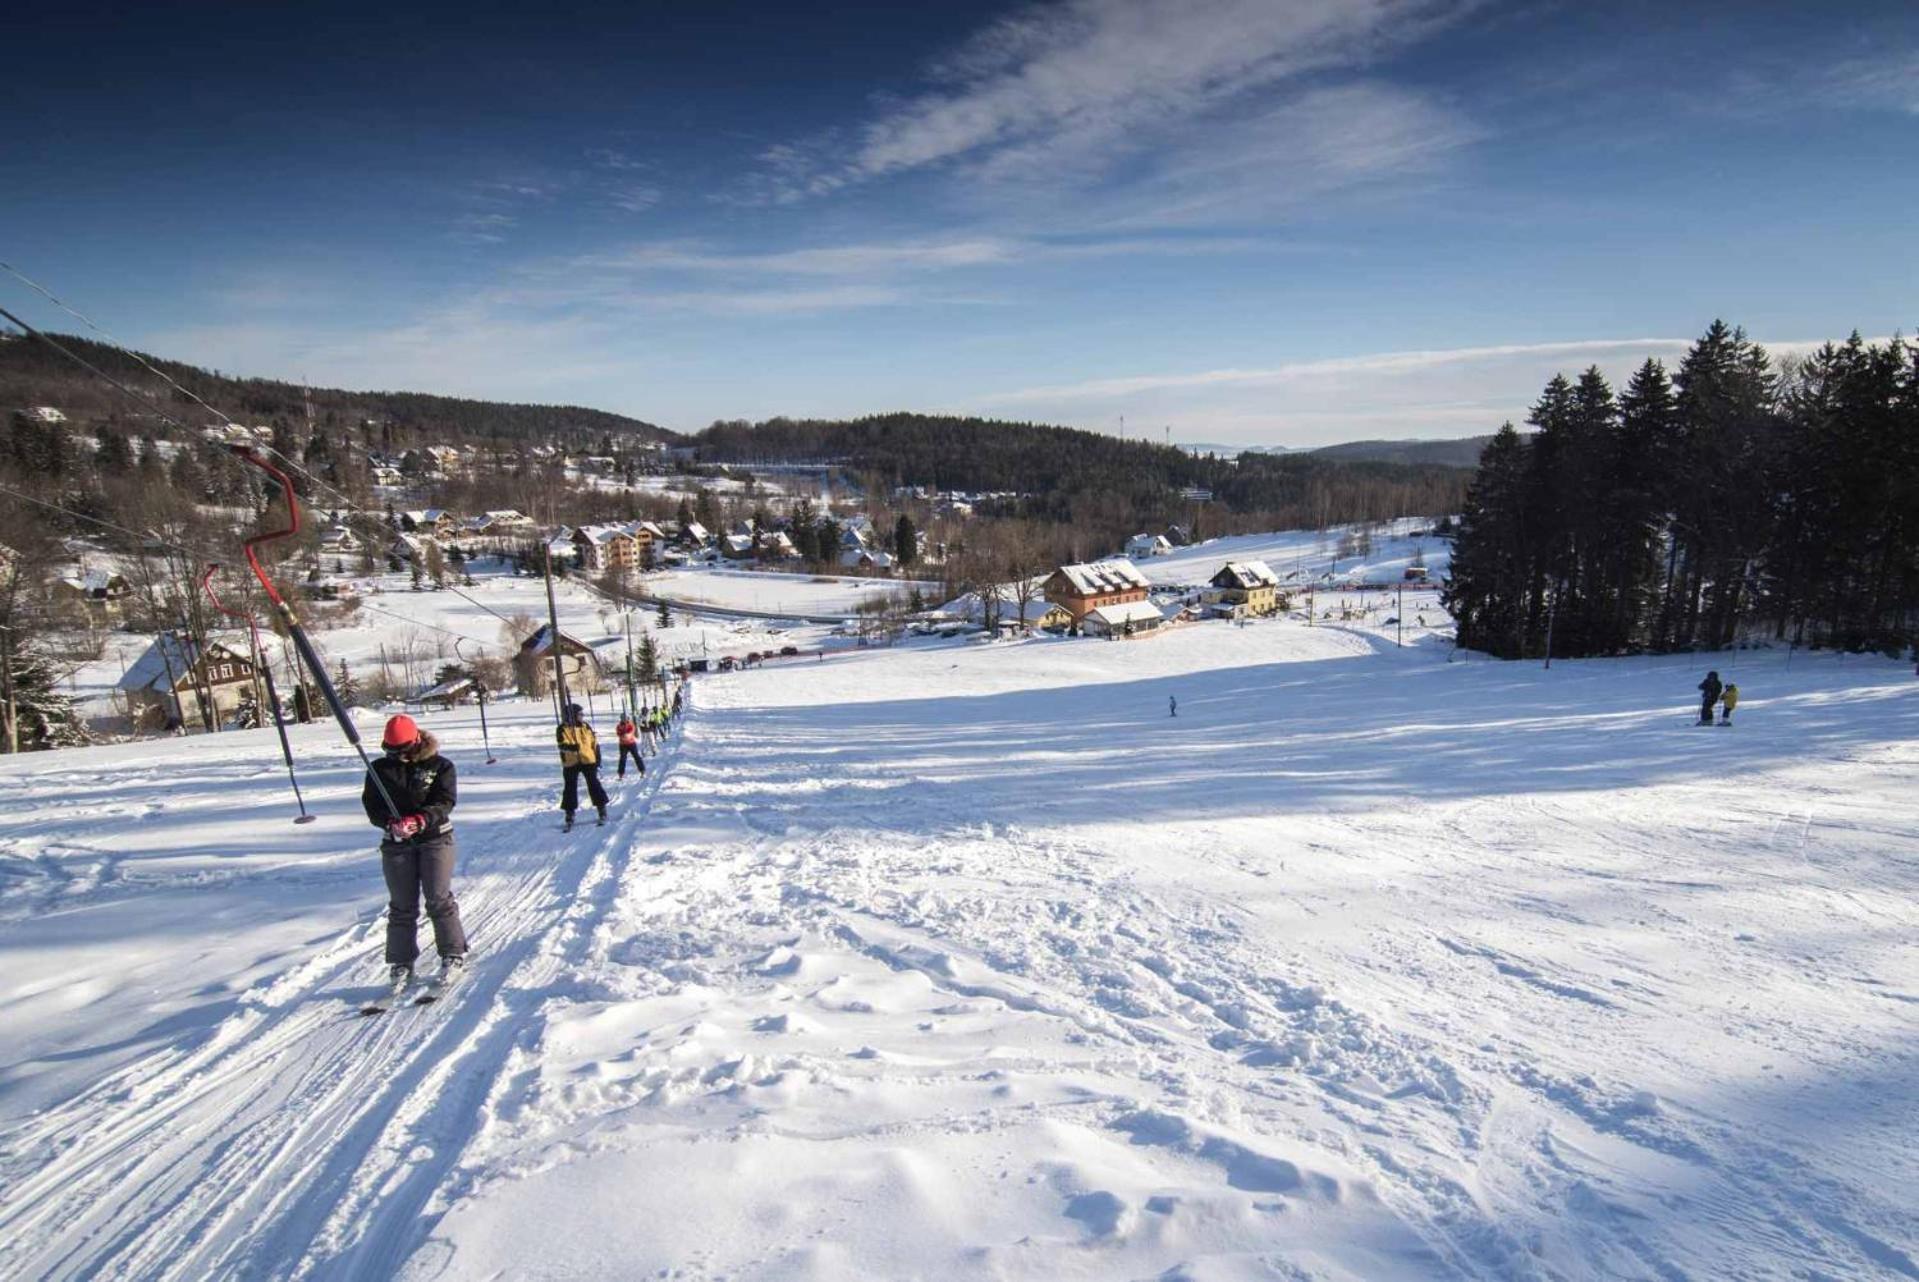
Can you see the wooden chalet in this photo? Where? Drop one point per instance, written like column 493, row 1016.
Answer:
column 1081, row 589
column 176, row 681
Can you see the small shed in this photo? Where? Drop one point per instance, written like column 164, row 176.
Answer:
column 533, row 664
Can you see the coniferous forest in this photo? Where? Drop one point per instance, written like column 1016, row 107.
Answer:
column 1735, row 499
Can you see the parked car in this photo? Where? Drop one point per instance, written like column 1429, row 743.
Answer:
column 726, row 663
column 789, row 649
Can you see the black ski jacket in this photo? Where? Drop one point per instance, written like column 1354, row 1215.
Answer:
column 1711, row 687
column 422, row 782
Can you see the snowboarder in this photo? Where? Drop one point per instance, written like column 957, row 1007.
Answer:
column 1727, row 702
column 1172, row 705
column 417, row 853
column 1709, row 691
column 579, row 755
column 629, row 735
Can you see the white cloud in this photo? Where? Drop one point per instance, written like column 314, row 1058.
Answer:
column 1443, row 392
column 634, row 198
column 1066, row 93
column 1887, row 82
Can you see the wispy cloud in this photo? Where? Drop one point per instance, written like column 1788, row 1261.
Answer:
column 1888, row 82
column 1459, row 391
column 1376, row 363
column 634, row 198
column 483, row 228
column 1070, row 93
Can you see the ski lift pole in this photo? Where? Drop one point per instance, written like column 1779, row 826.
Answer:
column 479, row 697
column 264, row 669
column 301, row 642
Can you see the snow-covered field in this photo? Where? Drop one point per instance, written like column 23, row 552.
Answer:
column 757, row 590
column 1300, row 556
column 967, row 960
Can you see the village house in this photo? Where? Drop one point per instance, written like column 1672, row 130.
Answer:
column 442, row 458
column 338, row 539
column 97, row 594
column 1144, row 545
column 1081, row 589
column 175, row 683
column 775, row 545
column 606, row 547
column 1122, row 620
column 46, row 414
column 1247, row 587
column 436, row 521
column 866, row 559
column 693, row 536
column 737, row 547
column 533, row 665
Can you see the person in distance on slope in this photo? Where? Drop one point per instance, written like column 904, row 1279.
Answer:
column 1727, row 702
column 629, row 735
column 416, row 854
column 579, row 756
column 1709, row 691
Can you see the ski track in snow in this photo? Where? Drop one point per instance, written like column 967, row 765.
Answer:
column 301, row 1137
column 965, row 961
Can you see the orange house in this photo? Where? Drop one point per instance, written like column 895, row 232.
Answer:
column 1081, row 589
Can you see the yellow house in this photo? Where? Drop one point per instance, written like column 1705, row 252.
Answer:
column 1251, row 585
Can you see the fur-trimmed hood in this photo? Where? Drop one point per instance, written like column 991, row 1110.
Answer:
column 425, row 746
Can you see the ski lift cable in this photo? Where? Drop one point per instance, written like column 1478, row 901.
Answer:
column 202, row 554
column 75, row 357
column 88, row 321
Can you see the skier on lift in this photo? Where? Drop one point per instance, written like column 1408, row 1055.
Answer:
column 417, row 853
column 629, row 736
column 579, row 755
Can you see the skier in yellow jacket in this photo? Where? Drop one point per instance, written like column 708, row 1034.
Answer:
column 579, row 755
column 1727, row 702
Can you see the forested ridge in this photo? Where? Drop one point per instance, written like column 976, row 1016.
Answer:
column 33, row 373
column 1736, row 499
column 1092, row 480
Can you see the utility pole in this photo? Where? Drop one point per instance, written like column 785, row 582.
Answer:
column 1399, row 617
column 553, row 623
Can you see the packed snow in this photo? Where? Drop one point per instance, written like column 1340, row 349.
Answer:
column 771, row 592
column 968, row 960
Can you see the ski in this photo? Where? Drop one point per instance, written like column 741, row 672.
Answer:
column 385, row 1001
column 439, row 986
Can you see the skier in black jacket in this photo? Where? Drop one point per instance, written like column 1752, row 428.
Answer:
column 417, row 854
column 1708, row 696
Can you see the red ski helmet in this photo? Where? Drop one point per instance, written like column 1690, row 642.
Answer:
column 401, row 732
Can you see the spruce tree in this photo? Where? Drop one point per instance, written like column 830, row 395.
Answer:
column 906, row 548
column 44, row 717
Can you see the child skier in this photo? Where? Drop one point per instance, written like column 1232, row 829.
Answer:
column 1709, row 691
column 629, row 735
column 1727, row 702
column 416, row 855
column 579, row 756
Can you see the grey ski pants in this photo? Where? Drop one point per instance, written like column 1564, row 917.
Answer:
column 415, row 871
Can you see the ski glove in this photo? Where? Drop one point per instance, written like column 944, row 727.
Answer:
column 402, row 829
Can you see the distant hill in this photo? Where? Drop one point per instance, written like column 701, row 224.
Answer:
column 31, row 374
column 1460, row 452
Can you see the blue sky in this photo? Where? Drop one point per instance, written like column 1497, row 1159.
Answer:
column 1248, row 221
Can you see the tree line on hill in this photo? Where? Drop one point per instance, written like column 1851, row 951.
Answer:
column 1103, row 487
column 33, row 373
column 1731, row 499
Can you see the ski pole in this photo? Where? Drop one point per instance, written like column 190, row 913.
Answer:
column 308, row 655
column 265, row 670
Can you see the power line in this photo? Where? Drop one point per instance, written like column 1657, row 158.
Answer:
column 203, row 556
column 84, row 319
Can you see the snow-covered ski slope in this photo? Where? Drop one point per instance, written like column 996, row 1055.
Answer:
column 968, row 961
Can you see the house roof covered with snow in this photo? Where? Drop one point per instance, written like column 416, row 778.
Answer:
column 149, row 671
column 1096, row 577
column 1245, row 575
column 1133, row 612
